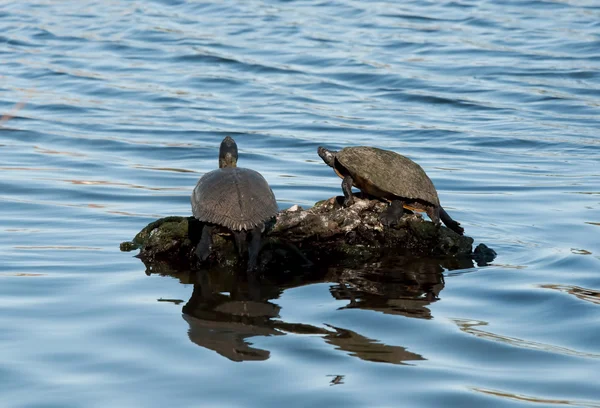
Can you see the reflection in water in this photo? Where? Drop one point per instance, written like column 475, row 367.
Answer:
column 369, row 349
column 174, row 301
column 337, row 379
column 401, row 285
column 59, row 247
column 538, row 400
column 11, row 114
column 169, row 169
column 41, row 169
column 117, row 184
column 589, row 295
column 227, row 308
column 48, row 151
column 222, row 322
column 471, row 327
column 578, row 251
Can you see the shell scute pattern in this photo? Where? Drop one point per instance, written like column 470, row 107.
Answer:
column 237, row 198
column 389, row 172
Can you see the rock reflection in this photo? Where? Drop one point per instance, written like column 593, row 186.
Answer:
column 228, row 308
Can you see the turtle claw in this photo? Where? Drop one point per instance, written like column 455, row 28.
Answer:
column 348, row 202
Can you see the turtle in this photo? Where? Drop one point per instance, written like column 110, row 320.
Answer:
column 389, row 176
column 236, row 199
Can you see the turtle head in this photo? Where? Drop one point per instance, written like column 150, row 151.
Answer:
column 328, row 156
column 228, row 153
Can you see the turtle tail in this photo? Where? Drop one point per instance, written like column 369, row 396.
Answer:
column 450, row 223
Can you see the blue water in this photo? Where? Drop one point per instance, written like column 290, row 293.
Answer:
column 125, row 104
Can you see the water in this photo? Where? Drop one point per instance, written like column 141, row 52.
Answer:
column 125, row 105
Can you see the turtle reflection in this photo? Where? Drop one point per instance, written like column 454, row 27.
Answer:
column 227, row 309
column 400, row 285
column 222, row 322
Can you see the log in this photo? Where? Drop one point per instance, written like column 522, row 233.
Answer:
column 327, row 234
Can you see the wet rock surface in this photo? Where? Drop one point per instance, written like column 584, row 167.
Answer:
column 326, row 234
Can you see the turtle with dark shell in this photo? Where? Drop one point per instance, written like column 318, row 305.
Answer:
column 389, row 176
column 237, row 199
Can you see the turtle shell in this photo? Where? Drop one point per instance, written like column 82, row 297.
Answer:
column 236, row 198
column 386, row 174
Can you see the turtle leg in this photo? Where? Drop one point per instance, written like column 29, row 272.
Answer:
column 434, row 215
column 254, row 248
column 392, row 214
column 347, row 189
column 240, row 237
column 205, row 245
column 450, row 223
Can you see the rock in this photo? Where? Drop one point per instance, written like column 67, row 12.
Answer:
column 483, row 255
column 326, row 234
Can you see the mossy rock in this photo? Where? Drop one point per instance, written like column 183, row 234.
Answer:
column 327, row 233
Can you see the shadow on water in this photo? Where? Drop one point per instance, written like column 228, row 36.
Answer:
column 227, row 307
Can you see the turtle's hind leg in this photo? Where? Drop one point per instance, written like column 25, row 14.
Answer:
column 392, row 214
column 204, row 247
column 347, row 189
column 239, row 238
column 450, row 223
column 254, row 248
column 434, row 214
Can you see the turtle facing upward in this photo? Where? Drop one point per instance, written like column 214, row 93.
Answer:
column 391, row 177
column 235, row 198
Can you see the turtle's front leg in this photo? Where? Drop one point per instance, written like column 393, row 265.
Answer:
column 347, row 189
column 205, row 245
column 392, row 214
column 254, row 248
